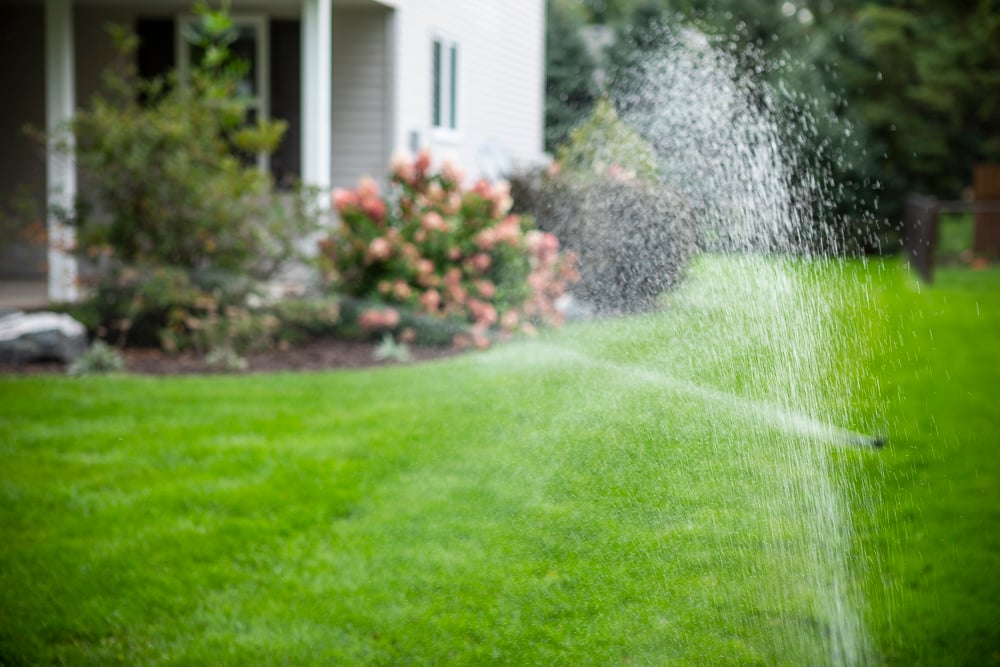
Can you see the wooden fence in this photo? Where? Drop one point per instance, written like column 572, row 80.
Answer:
column 920, row 229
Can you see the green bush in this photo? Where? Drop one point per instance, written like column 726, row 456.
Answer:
column 603, row 145
column 166, row 175
column 634, row 239
column 176, row 222
column 605, row 201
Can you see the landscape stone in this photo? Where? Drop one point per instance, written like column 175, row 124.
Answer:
column 27, row 337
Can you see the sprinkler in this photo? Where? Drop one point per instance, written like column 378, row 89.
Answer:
column 873, row 441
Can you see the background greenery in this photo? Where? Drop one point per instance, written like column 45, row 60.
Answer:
column 521, row 506
column 895, row 97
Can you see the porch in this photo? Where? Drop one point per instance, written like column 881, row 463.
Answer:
column 323, row 66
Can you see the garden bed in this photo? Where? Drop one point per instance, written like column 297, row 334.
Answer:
column 319, row 355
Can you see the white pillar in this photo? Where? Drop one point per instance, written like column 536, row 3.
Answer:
column 317, row 56
column 61, row 173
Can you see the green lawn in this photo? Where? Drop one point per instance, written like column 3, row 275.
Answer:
column 655, row 490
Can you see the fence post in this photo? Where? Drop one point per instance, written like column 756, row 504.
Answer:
column 920, row 217
column 986, row 234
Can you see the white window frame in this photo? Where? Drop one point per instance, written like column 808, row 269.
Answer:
column 449, row 127
column 260, row 102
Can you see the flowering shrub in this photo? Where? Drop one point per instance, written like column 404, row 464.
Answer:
column 445, row 251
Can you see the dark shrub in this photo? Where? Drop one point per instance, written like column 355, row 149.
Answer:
column 633, row 238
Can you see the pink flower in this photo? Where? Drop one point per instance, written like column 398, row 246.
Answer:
column 425, row 267
column 423, row 162
column 384, row 287
column 509, row 230
column 510, row 319
column 481, row 262
column 453, row 204
column 379, row 250
column 452, row 173
column 343, row 199
column 433, row 221
column 500, row 196
column 435, row 193
column 457, row 294
column 402, row 168
column 368, row 188
column 537, row 281
column 390, row 318
column 410, row 252
column 454, row 254
column 374, row 319
column 487, row 238
column 482, row 188
column 487, row 289
column 483, row 313
column 374, row 208
column 427, row 279
column 431, row 300
column 401, row 290
column 452, row 277
column 481, row 341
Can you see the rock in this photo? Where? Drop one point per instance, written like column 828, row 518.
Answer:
column 26, row 337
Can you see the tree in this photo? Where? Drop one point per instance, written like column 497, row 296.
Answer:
column 927, row 82
column 784, row 58
column 570, row 90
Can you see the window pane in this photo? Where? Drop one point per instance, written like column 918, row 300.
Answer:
column 436, row 90
column 244, row 49
column 453, row 92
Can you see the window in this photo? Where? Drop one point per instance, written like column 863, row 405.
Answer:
column 250, row 45
column 444, row 84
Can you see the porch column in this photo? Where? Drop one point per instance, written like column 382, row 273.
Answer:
column 60, row 171
column 317, row 82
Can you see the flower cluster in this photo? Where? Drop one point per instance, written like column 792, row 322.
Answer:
column 447, row 251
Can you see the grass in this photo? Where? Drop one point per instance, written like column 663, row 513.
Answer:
column 618, row 491
column 955, row 233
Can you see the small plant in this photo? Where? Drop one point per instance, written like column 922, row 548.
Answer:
column 392, row 350
column 100, row 358
column 225, row 359
column 604, row 145
column 448, row 252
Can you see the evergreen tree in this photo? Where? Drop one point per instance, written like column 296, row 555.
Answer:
column 927, row 81
column 570, row 90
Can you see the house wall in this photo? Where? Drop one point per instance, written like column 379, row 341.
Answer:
column 501, row 76
column 361, row 109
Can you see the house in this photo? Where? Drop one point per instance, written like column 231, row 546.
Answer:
column 355, row 79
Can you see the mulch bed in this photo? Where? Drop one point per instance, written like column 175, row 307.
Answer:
column 323, row 355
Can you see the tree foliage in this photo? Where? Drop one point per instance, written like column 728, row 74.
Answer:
column 927, row 82
column 893, row 97
column 570, row 90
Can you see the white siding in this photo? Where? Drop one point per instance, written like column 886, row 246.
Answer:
column 361, row 109
column 501, row 76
